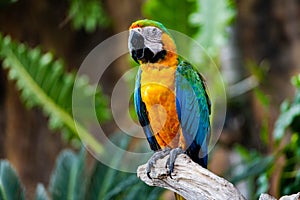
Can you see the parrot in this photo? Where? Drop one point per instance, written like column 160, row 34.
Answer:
column 171, row 98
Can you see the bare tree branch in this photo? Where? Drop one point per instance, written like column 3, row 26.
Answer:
column 190, row 180
column 193, row 182
column 288, row 197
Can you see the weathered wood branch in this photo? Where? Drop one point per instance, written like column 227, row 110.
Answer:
column 193, row 182
column 190, row 180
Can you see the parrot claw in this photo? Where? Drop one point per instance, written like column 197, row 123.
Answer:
column 161, row 154
column 156, row 156
column 171, row 160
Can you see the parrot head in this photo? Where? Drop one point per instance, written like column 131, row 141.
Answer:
column 150, row 42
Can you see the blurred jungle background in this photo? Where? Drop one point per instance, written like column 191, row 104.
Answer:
column 255, row 44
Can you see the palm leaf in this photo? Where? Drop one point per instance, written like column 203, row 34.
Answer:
column 67, row 181
column 104, row 178
column 107, row 183
column 10, row 185
column 41, row 193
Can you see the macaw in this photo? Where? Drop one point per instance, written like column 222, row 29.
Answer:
column 170, row 97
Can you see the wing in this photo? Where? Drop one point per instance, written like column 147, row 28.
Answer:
column 142, row 113
column 193, row 108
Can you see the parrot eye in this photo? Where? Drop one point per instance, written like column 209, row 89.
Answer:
column 155, row 32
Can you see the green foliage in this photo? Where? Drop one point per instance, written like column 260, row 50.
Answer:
column 213, row 17
column 103, row 178
column 4, row 3
column 10, row 186
column 259, row 167
column 72, row 180
column 256, row 164
column 68, row 176
column 107, row 183
column 87, row 14
column 43, row 82
column 41, row 193
column 264, row 100
column 290, row 119
column 256, row 169
column 204, row 20
column 290, row 114
column 263, row 184
column 173, row 14
column 290, row 175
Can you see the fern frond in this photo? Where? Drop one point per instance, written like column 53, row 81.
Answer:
column 43, row 82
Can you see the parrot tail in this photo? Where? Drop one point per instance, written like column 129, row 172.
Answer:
column 178, row 197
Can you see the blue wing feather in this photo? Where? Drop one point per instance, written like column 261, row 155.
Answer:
column 142, row 113
column 193, row 108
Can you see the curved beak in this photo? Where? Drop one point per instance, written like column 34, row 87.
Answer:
column 136, row 40
column 136, row 45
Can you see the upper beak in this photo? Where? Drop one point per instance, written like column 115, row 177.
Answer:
column 136, row 45
column 136, row 40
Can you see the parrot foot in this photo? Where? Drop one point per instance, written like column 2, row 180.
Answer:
column 156, row 156
column 161, row 154
column 171, row 160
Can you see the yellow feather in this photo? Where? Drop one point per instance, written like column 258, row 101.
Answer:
column 178, row 197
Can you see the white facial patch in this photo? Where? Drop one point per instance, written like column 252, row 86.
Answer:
column 153, row 38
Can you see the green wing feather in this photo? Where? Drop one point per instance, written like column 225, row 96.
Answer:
column 193, row 107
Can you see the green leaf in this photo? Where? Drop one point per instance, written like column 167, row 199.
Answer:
column 290, row 114
column 41, row 193
column 285, row 119
column 10, row 185
column 263, row 98
column 68, row 179
column 296, row 81
column 103, row 178
column 262, row 184
column 87, row 14
column 243, row 152
column 173, row 14
column 107, row 183
column 213, row 17
column 127, row 183
column 256, row 167
column 43, row 83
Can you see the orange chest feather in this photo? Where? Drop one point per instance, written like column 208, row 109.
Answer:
column 158, row 94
